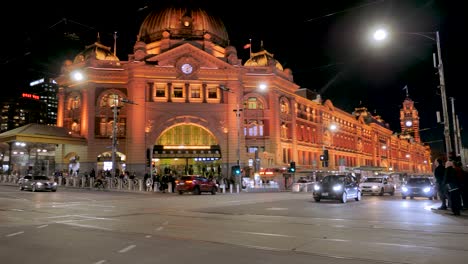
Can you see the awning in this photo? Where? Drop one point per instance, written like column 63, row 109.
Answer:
column 38, row 133
column 160, row 152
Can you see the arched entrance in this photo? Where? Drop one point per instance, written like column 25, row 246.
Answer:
column 104, row 161
column 187, row 149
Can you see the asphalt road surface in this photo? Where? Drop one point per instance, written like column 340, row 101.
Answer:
column 97, row 227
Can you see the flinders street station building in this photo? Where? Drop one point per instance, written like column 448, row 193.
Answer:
column 185, row 102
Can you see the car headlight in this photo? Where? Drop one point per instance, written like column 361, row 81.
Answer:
column 427, row 189
column 337, row 188
column 38, row 183
column 54, row 184
column 375, row 187
column 404, row 189
column 316, row 187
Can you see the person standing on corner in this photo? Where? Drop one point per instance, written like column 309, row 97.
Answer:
column 439, row 174
column 453, row 187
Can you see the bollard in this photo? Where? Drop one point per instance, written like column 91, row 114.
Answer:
column 223, row 186
column 140, row 185
column 169, row 187
column 237, row 187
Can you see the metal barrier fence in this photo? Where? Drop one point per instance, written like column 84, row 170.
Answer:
column 90, row 183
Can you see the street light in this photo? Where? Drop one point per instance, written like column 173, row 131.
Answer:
column 381, row 34
column 115, row 110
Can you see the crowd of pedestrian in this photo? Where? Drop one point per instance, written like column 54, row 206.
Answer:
column 452, row 183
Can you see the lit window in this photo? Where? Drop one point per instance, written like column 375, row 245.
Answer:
column 195, row 93
column 212, row 93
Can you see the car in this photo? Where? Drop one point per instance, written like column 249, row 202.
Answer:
column 195, row 184
column 419, row 187
column 377, row 185
column 37, row 183
column 337, row 187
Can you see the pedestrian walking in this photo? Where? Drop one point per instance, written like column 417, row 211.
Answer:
column 439, row 174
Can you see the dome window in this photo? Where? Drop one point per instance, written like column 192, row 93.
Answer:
column 186, row 21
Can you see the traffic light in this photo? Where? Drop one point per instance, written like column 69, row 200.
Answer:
column 324, row 156
column 148, row 158
column 292, row 166
column 236, row 171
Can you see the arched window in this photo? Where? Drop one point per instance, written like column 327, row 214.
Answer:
column 253, row 103
column 186, row 135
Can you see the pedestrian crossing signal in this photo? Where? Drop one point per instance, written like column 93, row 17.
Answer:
column 292, row 167
column 236, row 171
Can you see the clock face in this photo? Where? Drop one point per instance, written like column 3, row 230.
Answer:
column 186, row 68
column 408, row 123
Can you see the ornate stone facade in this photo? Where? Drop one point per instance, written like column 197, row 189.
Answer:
column 198, row 109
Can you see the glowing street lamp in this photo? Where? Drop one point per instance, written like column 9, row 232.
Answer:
column 381, row 34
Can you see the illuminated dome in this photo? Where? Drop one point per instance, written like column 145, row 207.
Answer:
column 96, row 51
column 263, row 58
column 182, row 23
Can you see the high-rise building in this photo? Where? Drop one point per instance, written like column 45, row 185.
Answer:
column 20, row 111
column 47, row 90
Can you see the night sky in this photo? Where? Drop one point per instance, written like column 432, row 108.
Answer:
column 324, row 43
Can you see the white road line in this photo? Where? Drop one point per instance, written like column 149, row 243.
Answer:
column 262, row 234
column 276, row 208
column 42, row 226
column 159, row 228
column 17, row 210
column 15, row 234
column 101, row 261
column 89, row 226
column 127, row 249
column 148, row 236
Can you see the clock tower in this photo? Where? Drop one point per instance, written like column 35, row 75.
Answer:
column 409, row 120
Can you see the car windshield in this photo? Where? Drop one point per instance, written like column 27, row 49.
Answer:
column 40, row 178
column 418, row 181
column 374, row 180
column 333, row 178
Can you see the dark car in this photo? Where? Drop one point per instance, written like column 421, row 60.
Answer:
column 419, row 187
column 195, row 184
column 337, row 187
column 37, row 183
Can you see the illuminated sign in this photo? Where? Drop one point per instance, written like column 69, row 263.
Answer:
column 28, row 95
column 36, row 82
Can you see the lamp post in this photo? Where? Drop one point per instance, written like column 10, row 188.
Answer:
column 115, row 109
column 381, row 34
column 238, row 115
column 115, row 112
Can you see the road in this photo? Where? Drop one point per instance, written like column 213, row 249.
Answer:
column 97, row 227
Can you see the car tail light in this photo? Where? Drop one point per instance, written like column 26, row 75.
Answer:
column 188, row 181
column 177, row 181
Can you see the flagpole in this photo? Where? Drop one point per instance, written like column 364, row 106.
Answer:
column 250, row 48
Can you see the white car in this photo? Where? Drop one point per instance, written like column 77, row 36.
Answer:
column 377, row 185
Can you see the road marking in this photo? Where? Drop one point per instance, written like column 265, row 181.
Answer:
column 42, row 226
column 262, row 234
column 148, row 236
column 276, row 208
column 88, row 226
column 14, row 234
column 17, row 210
column 159, row 228
column 101, row 261
column 127, row 249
